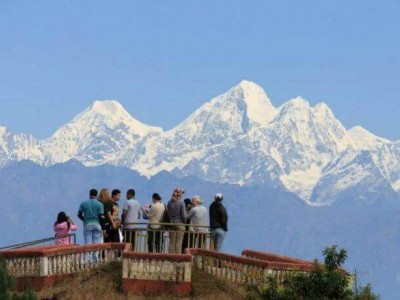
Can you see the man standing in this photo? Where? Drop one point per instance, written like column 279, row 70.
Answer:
column 130, row 216
column 197, row 216
column 218, row 221
column 90, row 212
column 155, row 231
column 112, row 214
column 177, row 215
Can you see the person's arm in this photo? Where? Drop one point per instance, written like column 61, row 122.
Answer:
column 190, row 214
column 224, row 218
column 72, row 227
column 123, row 216
column 80, row 213
column 183, row 211
column 102, row 217
column 124, row 211
column 109, row 216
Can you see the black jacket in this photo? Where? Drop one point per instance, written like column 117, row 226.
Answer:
column 218, row 216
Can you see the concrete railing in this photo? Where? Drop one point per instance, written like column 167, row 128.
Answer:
column 271, row 257
column 163, row 237
column 42, row 266
column 243, row 270
column 146, row 273
column 153, row 273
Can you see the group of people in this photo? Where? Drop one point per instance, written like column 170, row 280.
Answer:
column 183, row 219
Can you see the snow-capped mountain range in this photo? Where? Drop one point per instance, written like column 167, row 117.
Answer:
column 238, row 137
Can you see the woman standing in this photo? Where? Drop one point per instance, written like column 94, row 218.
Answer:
column 105, row 199
column 62, row 227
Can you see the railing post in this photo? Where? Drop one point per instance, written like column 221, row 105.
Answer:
column 125, row 267
column 110, row 255
column 188, row 272
column 44, row 266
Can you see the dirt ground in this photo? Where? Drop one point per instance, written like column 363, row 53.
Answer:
column 105, row 283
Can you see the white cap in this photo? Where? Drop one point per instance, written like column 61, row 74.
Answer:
column 219, row 196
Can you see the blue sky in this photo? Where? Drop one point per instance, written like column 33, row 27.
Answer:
column 163, row 59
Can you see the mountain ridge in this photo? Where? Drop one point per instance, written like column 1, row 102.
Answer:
column 291, row 147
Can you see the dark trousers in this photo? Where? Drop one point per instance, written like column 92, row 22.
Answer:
column 155, row 241
column 112, row 236
column 188, row 240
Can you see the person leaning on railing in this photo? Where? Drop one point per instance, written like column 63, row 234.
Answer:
column 156, row 215
column 62, row 228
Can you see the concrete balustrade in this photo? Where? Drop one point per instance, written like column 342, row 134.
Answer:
column 244, row 270
column 39, row 267
column 146, row 273
column 153, row 273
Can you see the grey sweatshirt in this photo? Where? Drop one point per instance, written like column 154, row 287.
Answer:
column 176, row 211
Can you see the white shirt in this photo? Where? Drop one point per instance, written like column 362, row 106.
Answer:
column 132, row 209
column 156, row 214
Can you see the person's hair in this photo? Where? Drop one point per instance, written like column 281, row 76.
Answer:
column 187, row 202
column 115, row 193
column 197, row 198
column 93, row 193
column 131, row 192
column 157, row 197
column 61, row 218
column 104, row 196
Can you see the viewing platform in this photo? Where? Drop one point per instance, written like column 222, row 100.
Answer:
column 144, row 272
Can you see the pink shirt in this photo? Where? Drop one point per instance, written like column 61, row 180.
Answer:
column 62, row 230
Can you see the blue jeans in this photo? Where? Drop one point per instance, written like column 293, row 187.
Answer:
column 218, row 236
column 92, row 234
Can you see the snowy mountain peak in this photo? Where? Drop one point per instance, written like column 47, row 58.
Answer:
column 112, row 114
column 107, row 106
column 95, row 135
column 363, row 139
column 322, row 107
column 295, row 104
column 258, row 107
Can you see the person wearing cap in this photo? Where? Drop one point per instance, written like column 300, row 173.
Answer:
column 155, row 215
column 218, row 222
column 177, row 215
column 197, row 216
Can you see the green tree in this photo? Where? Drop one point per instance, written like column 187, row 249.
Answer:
column 334, row 259
column 324, row 281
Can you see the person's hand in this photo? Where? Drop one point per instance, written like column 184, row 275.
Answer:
column 116, row 225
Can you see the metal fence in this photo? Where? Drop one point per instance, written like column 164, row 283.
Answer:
column 42, row 242
column 166, row 237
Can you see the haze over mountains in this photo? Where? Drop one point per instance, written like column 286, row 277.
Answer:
column 238, row 137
